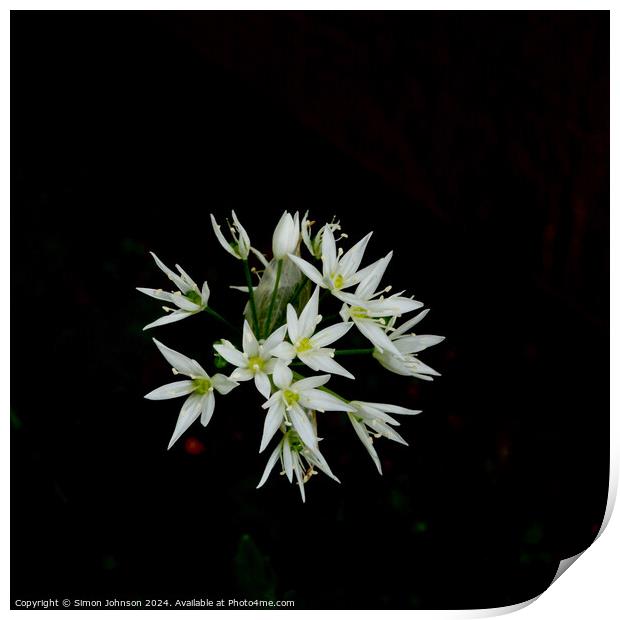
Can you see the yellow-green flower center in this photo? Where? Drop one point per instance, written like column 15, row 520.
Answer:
column 290, row 397
column 357, row 312
column 256, row 363
column 304, row 345
column 338, row 281
column 201, row 385
column 194, row 296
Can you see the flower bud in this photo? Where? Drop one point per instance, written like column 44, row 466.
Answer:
column 286, row 235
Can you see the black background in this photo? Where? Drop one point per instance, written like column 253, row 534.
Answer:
column 475, row 145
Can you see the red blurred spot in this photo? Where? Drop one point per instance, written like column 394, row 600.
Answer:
column 194, row 446
column 595, row 528
column 451, row 354
column 456, row 422
column 413, row 390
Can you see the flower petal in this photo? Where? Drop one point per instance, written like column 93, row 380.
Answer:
column 309, row 315
column 362, row 433
column 177, row 315
column 285, row 351
column 328, row 253
column 273, row 421
column 409, row 324
column 177, row 279
column 223, row 384
column 250, row 344
column 322, row 361
column 274, row 340
column 189, row 413
column 230, row 354
column 318, row 460
column 208, row 405
column 309, row 270
column 222, row 239
column 303, row 426
column 262, row 383
column 367, row 287
column 185, row 304
column 292, row 323
column 352, row 259
column 330, row 334
column 311, row 382
column 394, row 409
column 415, row 344
column 287, row 460
column 299, row 474
column 171, row 390
column 157, row 293
column 244, row 239
column 205, row 293
column 180, row 362
column 390, row 306
column 376, row 335
column 322, row 401
column 386, row 431
column 282, row 375
column 270, row 464
column 242, row 374
column 186, row 278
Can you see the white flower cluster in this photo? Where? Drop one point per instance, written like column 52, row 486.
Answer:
column 281, row 331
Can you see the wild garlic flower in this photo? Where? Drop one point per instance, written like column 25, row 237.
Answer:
column 286, row 235
column 308, row 346
column 199, row 386
column 315, row 244
column 289, row 404
column 296, row 459
column 277, row 329
column 189, row 299
column 256, row 361
column 339, row 271
column 405, row 362
column 372, row 420
column 370, row 310
column 240, row 247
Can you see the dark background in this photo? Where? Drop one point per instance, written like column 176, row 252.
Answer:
column 473, row 144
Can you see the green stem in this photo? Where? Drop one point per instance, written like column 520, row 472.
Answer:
column 354, row 352
column 219, row 317
column 273, row 298
column 248, row 279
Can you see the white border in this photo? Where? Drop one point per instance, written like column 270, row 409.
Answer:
column 590, row 587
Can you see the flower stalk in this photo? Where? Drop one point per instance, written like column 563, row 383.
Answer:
column 274, row 294
column 248, row 280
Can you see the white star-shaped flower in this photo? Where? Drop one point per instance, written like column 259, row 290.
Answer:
column 240, row 247
column 296, row 459
column 189, row 299
column 372, row 419
column 308, row 346
column 339, row 272
column 200, row 386
column 370, row 310
column 406, row 363
column 256, row 361
column 287, row 405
